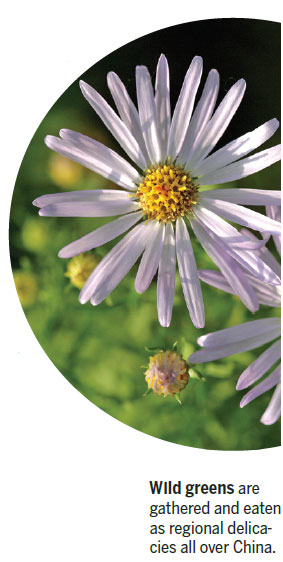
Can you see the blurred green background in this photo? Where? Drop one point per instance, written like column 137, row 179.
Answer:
column 101, row 350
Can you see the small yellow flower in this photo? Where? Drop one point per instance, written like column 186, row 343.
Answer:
column 35, row 235
column 80, row 267
column 167, row 373
column 64, row 172
column 26, row 285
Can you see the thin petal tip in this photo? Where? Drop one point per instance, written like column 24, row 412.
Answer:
column 63, row 132
column 139, row 288
column 214, row 71
column 164, row 322
column 201, row 341
column 82, row 298
column 84, row 87
column 141, row 68
column 198, row 59
column 111, row 76
column 275, row 123
column 266, row 420
column 63, row 254
column 240, row 384
column 199, row 323
column 162, row 59
column 49, row 140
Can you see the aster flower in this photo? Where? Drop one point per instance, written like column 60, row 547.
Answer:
column 172, row 164
column 250, row 335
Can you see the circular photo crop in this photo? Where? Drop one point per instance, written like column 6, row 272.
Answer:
column 145, row 234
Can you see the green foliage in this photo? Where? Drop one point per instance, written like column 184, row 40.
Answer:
column 100, row 350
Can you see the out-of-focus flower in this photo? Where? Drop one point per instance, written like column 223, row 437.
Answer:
column 172, row 162
column 167, row 373
column 249, row 336
column 27, row 287
column 80, row 268
column 35, row 235
column 63, row 171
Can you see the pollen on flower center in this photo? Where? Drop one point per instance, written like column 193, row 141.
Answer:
column 167, row 373
column 166, row 193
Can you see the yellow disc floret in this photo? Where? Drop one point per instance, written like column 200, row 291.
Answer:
column 167, row 373
column 166, row 193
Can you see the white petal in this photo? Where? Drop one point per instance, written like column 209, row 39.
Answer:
column 260, row 366
column 127, row 110
column 99, row 208
column 244, row 196
column 258, row 332
column 162, row 101
column 243, row 216
column 274, row 212
column 147, row 113
column 208, row 354
column 115, row 265
column 114, row 124
column 103, row 154
column 215, row 279
column 255, row 245
column 150, row 259
column 270, row 295
column 255, row 265
column 243, row 168
column 218, row 123
column 273, row 410
column 221, row 228
column 188, row 274
column 226, row 235
column 200, row 117
column 166, row 278
column 269, row 259
column 237, row 148
column 264, row 254
column 228, row 267
column 96, row 157
column 119, row 265
column 184, row 107
column 266, row 384
column 84, row 195
column 100, row 236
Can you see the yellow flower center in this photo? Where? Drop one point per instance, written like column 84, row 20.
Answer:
column 166, row 193
column 167, row 373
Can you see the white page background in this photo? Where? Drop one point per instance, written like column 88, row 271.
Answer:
column 74, row 480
